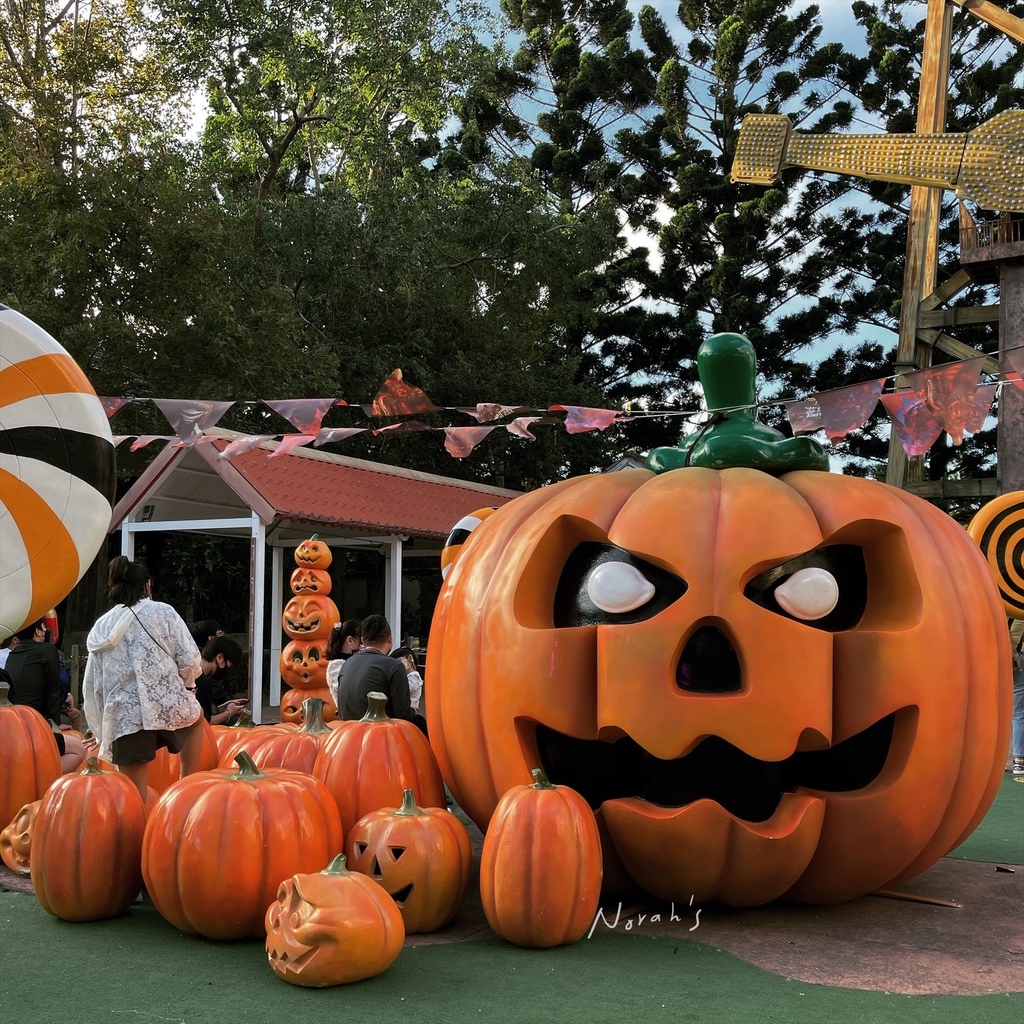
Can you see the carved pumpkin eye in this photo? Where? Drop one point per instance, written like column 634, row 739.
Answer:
column 826, row 588
column 602, row 584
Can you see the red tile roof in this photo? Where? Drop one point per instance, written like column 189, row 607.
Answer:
column 319, row 487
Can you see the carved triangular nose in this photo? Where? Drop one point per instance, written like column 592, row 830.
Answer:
column 709, row 664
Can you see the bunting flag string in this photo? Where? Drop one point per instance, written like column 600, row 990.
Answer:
column 947, row 398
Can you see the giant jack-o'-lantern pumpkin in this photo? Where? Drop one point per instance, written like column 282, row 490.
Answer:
column 309, row 617
column 765, row 685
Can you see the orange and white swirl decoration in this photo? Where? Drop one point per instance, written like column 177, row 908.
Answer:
column 998, row 529
column 57, row 472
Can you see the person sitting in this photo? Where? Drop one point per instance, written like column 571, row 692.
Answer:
column 371, row 669
column 406, row 656
column 204, row 631
column 219, row 656
column 343, row 642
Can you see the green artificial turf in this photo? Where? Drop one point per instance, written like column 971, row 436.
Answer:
column 1001, row 841
column 137, row 969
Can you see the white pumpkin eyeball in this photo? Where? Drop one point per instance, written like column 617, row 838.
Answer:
column 808, row 594
column 618, row 587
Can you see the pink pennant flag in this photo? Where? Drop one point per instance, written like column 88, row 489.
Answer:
column 520, row 426
column 112, row 405
column 1015, row 358
column 846, row 409
column 804, row 417
column 1015, row 379
column 408, row 427
column 460, row 441
column 396, row 398
column 329, row 434
column 487, row 412
column 983, row 397
column 289, row 442
column 579, row 418
column 241, row 445
column 949, row 392
column 143, row 439
column 304, row 414
column 913, row 421
column 189, row 418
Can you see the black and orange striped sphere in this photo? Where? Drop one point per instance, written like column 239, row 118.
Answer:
column 57, row 472
column 998, row 528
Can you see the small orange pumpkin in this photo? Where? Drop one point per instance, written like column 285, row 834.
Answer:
column 296, row 749
column 313, row 554
column 540, row 869
column 16, row 839
column 332, row 928
column 369, row 763
column 310, row 617
column 304, row 664
column 291, row 706
column 273, row 822
column 311, row 581
column 420, row 856
column 87, row 845
column 30, row 757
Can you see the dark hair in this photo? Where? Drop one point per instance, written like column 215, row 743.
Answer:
column 226, row 645
column 126, row 581
column 29, row 631
column 405, row 652
column 373, row 629
column 336, row 641
column 203, row 630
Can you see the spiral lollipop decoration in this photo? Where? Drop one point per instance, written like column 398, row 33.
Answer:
column 998, row 529
column 459, row 535
column 57, row 472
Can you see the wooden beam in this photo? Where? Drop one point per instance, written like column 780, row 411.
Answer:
column 995, row 16
column 947, row 291
column 957, row 349
column 959, row 315
column 982, row 488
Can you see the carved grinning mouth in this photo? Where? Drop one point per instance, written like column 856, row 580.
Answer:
column 287, row 962
column 304, row 627
column 746, row 787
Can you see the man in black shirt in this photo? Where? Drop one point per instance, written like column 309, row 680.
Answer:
column 372, row 669
column 218, row 657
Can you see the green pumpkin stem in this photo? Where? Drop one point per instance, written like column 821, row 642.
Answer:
column 4, row 690
column 313, row 723
column 247, row 770
column 375, row 712
column 337, row 867
column 540, row 779
column 92, row 767
column 408, row 808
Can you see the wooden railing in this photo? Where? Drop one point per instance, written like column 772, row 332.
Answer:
column 1008, row 228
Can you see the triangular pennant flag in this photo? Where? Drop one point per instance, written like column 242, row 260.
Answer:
column 949, row 392
column 241, row 445
column 983, row 397
column 804, row 417
column 409, row 426
column 112, row 405
column 329, row 434
column 304, row 414
column 913, row 422
column 846, row 409
column 1015, row 358
column 579, row 418
column 143, row 439
column 396, row 398
column 1015, row 379
column 289, row 442
column 487, row 412
column 190, row 418
column 460, row 441
column 520, row 426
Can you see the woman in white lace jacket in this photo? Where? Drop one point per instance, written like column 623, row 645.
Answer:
column 140, row 677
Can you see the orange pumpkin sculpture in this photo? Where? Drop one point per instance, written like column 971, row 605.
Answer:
column 529, row 897
column 87, row 845
column 274, row 823
column 662, row 642
column 30, row 758
column 332, row 928
column 304, row 664
column 16, row 839
column 296, row 749
column 292, row 701
column 421, row 857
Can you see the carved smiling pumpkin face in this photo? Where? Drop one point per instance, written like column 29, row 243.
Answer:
column 16, row 839
column 313, row 554
column 763, row 685
column 309, row 617
column 303, row 665
column 311, row 581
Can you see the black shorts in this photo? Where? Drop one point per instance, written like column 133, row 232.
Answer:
column 140, row 747
column 61, row 747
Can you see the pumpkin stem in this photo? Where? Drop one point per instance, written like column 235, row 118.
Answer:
column 540, row 780
column 377, row 701
column 313, row 717
column 92, row 767
column 408, row 808
column 247, row 770
column 4, row 690
column 316, row 536
column 336, row 867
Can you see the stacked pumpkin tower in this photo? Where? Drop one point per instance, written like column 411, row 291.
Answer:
column 308, row 620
